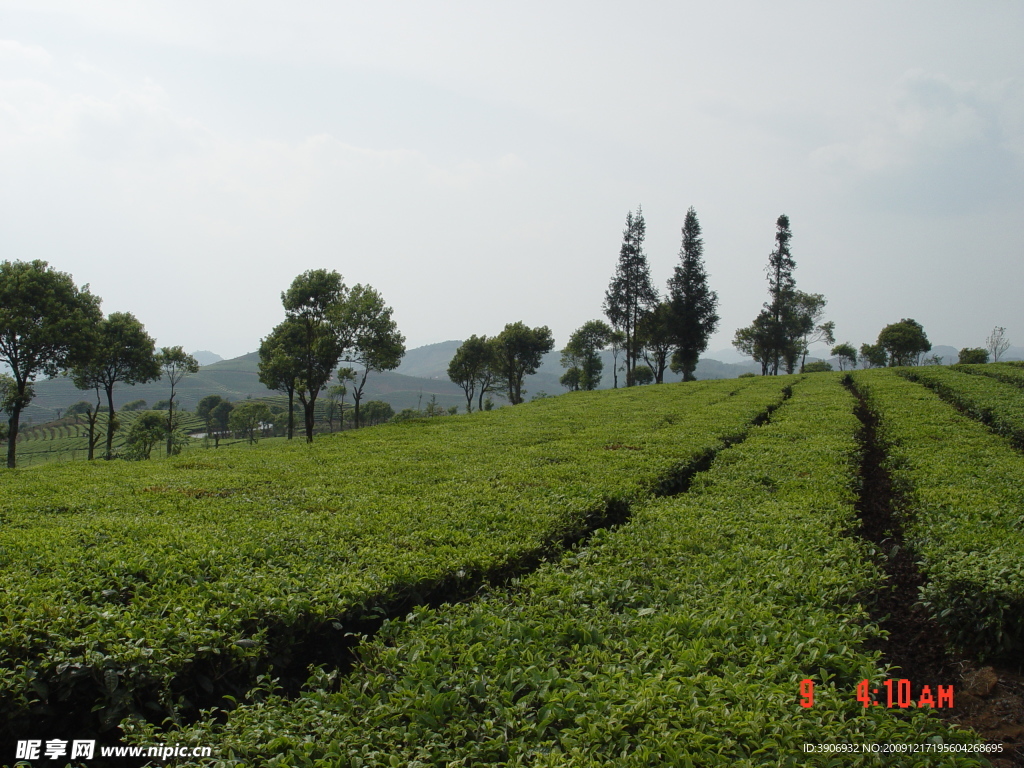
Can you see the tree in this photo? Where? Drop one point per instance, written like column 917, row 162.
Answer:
column 873, row 356
column 755, row 341
column 470, row 368
column 134, row 405
column 616, row 343
column 377, row 412
column 249, row 418
column 643, row 375
column 847, row 355
column 997, row 343
column 92, row 417
column 810, row 307
column 120, row 351
column 333, row 407
column 630, row 294
column 372, row 338
column 973, row 356
column 693, row 314
column 45, row 327
column 280, row 365
column 656, row 341
column 904, row 342
column 204, row 410
column 517, row 353
column 345, row 378
column 145, row 432
column 315, row 303
column 581, row 355
column 820, row 366
column 221, row 417
column 176, row 364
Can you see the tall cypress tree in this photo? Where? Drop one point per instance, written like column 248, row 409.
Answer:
column 692, row 305
column 630, row 294
column 782, row 295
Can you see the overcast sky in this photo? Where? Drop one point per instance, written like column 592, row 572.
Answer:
column 474, row 161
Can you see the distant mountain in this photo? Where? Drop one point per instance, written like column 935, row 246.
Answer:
column 429, row 362
column 204, row 357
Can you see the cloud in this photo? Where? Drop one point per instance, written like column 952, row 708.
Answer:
column 937, row 146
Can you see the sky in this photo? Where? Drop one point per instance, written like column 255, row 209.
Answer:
column 474, row 162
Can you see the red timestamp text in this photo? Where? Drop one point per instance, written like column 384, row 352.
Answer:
column 891, row 694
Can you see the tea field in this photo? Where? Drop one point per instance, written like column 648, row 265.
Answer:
column 668, row 575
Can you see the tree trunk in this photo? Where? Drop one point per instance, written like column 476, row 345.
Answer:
column 110, row 423
column 310, row 417
column 170, row 423
column 291, row 412
column 12, row 433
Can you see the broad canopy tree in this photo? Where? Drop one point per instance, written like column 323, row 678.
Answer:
column 372, row 338
column 46, row 326
column 315, row 303
column 325, row 323
column 581, row 356
column 280, row 364
column 904, row 342
column 471, row 368
column 121, row 351
column 518, row 351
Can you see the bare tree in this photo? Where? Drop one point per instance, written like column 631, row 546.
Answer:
column 997, row 343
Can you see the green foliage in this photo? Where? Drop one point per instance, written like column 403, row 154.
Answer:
column 821, row 366
column 315, row 337
column 873, row 356
column 677, row 639
column 972, row 356
column 986, row 399
column 377, row 412
column 643, row 374
column 46, row 325
column 120, row 350
column 961, row 509
column 581, row 357
column 904, row 342
column 160, row 567
column 656, row 340
column 248, row 419
column 693, row 315
column 516, row 352
column 630, row 294
column 847, row 355
column 176, row 364
column 81, row 407
column 134, row 405
column 281, row 362
column 372, row 339
column 471, row 368
column 148, row 429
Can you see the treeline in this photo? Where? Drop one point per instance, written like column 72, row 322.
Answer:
column 671, row 331
column 49, row 327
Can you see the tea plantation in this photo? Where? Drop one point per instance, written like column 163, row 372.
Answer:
column 652, row 576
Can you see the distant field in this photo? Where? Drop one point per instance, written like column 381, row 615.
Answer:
column 684, row 556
